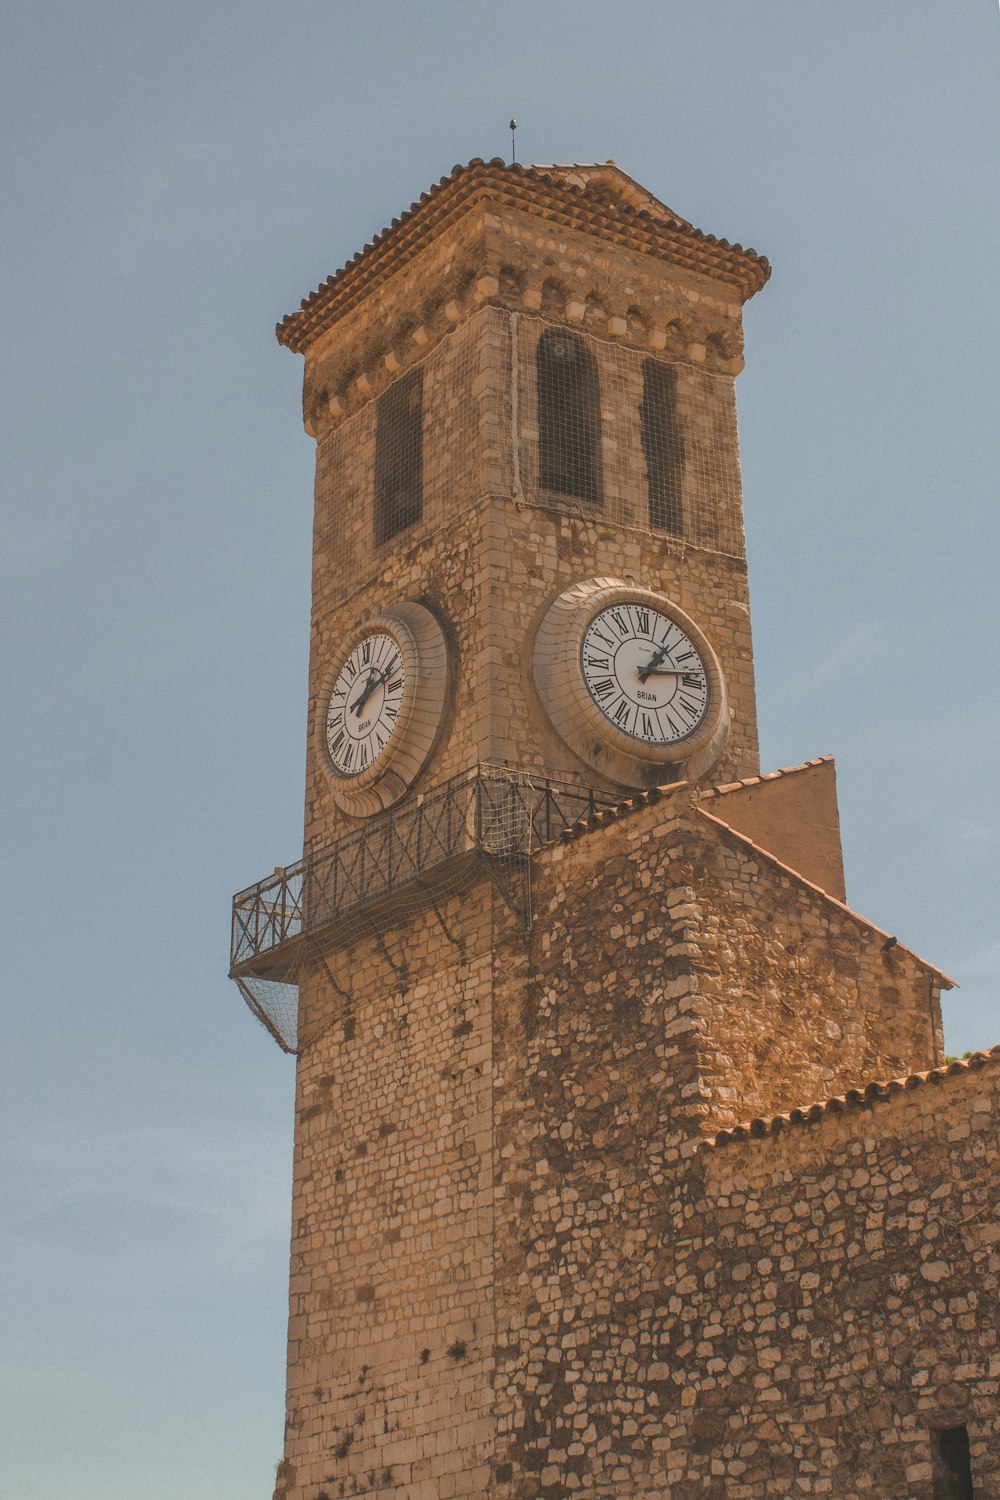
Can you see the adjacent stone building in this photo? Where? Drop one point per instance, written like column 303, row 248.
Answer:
column 628, row 1162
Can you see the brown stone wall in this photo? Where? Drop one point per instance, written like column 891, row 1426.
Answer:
column 518, row 1268
column 608, row 1051
column 799, row 998
column 390, row 1352
column 853, row 1305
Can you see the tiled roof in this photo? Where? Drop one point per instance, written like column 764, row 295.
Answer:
column 765, row 776
column 534, row 191
column 854, row 1099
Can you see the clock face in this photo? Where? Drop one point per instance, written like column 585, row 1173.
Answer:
column 630, row 682
column 382, row 706
column 365, row 703
column 645, row 674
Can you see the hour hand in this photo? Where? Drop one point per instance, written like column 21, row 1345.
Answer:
column 649, row 669
column 365, row 693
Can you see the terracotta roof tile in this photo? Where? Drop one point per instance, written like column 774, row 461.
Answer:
column 862, row 1097
column 738, row 786
column 534, row 191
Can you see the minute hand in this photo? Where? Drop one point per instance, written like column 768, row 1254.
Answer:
column 668, row 672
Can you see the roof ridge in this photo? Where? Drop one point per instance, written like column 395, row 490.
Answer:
column 736, row 786
column 852, row 1099
column 890, row 937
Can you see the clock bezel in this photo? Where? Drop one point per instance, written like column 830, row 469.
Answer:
column 424, row 654
column 576, row 716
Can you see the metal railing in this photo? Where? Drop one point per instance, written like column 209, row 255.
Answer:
column 502, row 814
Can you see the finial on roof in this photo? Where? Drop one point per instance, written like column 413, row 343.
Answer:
column 513, row 143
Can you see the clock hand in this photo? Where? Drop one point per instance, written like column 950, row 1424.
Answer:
column 668, row 672
column 366, row 693
column 375, row 680
column 653, row 662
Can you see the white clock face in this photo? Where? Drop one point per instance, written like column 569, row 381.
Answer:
column 645, row 674
column 365, row 703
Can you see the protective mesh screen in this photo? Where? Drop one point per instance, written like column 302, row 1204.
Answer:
column 511, row 406
column 395, row 871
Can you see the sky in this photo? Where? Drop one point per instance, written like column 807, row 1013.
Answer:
column 175, row 178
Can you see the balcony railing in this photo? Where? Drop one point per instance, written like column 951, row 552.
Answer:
column 497, row 813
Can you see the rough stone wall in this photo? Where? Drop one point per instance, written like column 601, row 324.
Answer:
column 520, row 1268
column 391, row 1295
column 798, row 997
column 604, row 1055
column 778, row 1318
column 853, row 1302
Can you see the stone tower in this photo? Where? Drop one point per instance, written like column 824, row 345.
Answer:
column 553, row 935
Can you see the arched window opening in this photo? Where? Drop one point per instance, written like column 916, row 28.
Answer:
column 399, row 456
column 663, row 446
column 569, row 416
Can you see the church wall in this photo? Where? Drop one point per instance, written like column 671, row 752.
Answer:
column 608, row 1071
column 799, row 998
column 390, row 1327
column 855, row 1300
column 597, row 1111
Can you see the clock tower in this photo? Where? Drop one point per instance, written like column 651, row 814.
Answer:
column 550, row 921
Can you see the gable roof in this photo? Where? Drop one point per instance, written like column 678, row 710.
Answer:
column 696, row 795
column 596, row 199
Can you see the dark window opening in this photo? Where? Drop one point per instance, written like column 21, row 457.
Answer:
column 663, row 446
column 952, row 1464
column 569, row 416
column 399, row 456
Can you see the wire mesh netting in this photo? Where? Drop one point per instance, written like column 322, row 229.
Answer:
column 514, row 407
column 481, row 826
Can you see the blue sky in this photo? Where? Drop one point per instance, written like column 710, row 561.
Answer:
column 175, row 179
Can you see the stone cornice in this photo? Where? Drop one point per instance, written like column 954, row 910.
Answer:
column 541, row 194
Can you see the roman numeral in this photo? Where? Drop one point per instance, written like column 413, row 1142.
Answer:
column 691, row 708
column 366, row 652
column 691, row 680
column 602, row 663
column 621, row 713
column 605, row 641
column 620, row 624
column 642, row 615
column 389, row 712
column 335, row 747
column 395, row 685
column 685, row 656
column 602, row 689
column 647, row 726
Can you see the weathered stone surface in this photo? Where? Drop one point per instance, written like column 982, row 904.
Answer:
column 548, row 1238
